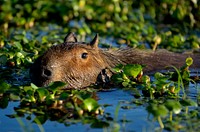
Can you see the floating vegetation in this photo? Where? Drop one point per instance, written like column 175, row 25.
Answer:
column 29, row 28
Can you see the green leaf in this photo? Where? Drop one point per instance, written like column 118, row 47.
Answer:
column 173, row 105
column 90, row 104
column 132, row 70
column 4, row 86
column 188, row 102
column 18, row 60
column 186, row 75
column 118, row 68
column 64, row 95
column 14, row 97
column 117, row 78
column 157, row 110
column 189, row 61
column 146, row 79
column 18, row 45
column 34, row 86
column 43, row 93
column 54, row 86
column 159, row 76
column 27, row 88
column 20, row 55
column 125, row 84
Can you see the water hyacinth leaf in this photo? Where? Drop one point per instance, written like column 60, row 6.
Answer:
column 31, row 98
column 25, row 40
column 90, row 104
column 86, row 94
column 18, row 37
column 158, row 75
column 4, row 86
column 146, row 79
column 11, row 55
column 14, row 97
column 18, row 60
column 64, row 95
column 18, row 45
column 54, row 86
column 133, row 41
column 69, row 105
column 117, row 78
column 186, row 75
column 118, row 68
column 124, row 77
column 125, row 84
column 189, row 61
column 34, row 86
column 45, row 39
column 173, row 105
column 132, row 70
column 30, row 93
column 28, row 59
column 188, row 102
column 77, row 97
column 27, row 88
column 157, row 110
column 43, row 93
column 20, row 55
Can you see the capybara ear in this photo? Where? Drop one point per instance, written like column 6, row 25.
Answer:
column 71, row 37
column 94, row 43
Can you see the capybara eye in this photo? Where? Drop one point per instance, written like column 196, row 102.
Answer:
column 84, row 55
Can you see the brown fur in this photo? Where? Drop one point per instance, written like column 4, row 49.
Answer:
column 64, row 62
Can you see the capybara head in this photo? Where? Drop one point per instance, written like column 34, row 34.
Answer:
column 76, row 63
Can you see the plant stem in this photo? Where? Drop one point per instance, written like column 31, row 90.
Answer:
column 160, row 122
column 170, row 115
column 186, row 110
column 180, row 82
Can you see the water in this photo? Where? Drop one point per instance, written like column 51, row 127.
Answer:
column 137, row 117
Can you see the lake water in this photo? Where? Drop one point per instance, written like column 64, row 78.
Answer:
column 136, row 116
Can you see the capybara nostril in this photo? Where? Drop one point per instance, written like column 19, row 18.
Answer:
column 47, row 73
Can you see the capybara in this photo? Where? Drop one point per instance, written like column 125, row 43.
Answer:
column 79, row 64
